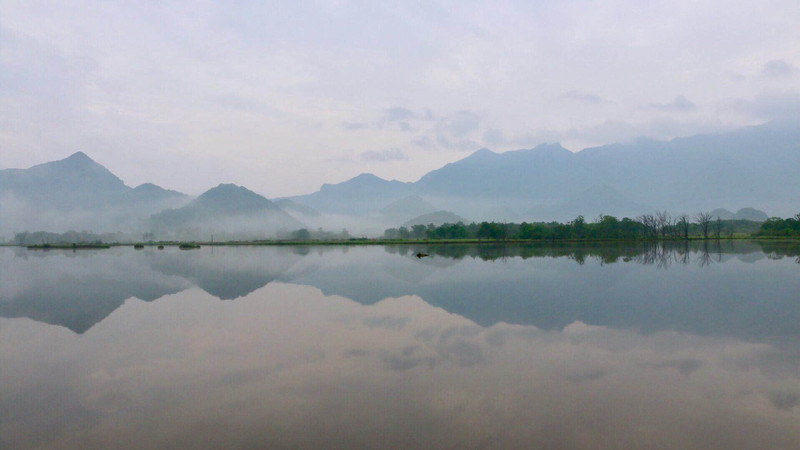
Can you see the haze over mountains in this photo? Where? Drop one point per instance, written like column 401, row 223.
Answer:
column 230, row 211
column 753, row 166
column 77, row 193
column 750, row 167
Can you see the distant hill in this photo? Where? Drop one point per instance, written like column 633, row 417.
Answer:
column 750, row 214
column 74, row 182
column 410, row 206
column 540, row 172
column 226, row 210
column 151, row 193
column 753, row 165
column 722, row 214
column 437, row 218
column 360, row 195
column 296, row 209
column 76, row 193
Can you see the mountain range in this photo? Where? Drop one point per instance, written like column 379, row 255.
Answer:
column 78, row 193
column 78, row 182
column 751, row 166
column 754, row 165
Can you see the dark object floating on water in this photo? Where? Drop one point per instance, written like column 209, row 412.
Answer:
column 188, row 246
column 138, row 246
column 161, row 247
column 421, row 255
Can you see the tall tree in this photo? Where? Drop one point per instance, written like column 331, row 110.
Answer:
column 683, row 226
column 664, row 223
column 704, row 220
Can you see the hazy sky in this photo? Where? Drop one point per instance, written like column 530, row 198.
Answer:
column 284, row 96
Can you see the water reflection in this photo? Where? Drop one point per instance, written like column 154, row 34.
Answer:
column 662, row 254
column 727, row 288
column 287, row 367
column 75, row 290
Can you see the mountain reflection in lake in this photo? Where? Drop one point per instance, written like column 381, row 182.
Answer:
column 607, row 346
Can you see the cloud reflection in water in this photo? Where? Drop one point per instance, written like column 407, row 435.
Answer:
column 286, row 366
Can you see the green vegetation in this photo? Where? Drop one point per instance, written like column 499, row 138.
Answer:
column 656, row 227
column 777, row 227
column 659, row 226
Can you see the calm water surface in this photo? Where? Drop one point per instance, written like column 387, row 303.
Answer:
column 472, row 347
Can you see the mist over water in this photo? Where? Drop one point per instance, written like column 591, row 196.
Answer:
column 607, row 346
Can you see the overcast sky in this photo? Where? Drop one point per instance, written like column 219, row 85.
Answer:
column 284, row 96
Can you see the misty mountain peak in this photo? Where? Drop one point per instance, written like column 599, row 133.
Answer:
column 219, row 207
column 483, row 152
column 227, row 189
column 148, row 187
column 361, row 180
column 230, row 187
column 153, row 192
column 78, row 163
column 367, row 177
column 79, row 156
column 410, row 206
column 69, row 182
column 232, row 198
column 77, row 159
column 551, row 149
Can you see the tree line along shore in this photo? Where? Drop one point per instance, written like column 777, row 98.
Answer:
column 648, row 227
column 658, row 226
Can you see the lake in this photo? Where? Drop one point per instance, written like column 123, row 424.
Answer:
column 519, row 346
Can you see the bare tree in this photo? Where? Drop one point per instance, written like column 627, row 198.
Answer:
column 663, row 222
column 683, row 226
column 704, row 220
column 674, row 229
column 650, row 224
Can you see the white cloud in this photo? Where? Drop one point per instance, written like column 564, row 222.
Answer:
column 235, row 91
column 315, row 353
